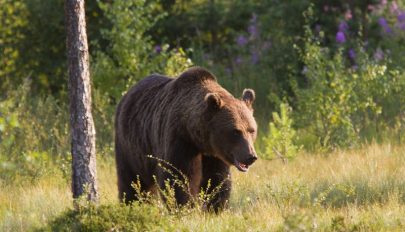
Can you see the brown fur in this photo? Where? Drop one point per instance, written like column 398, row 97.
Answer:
column 190, row 122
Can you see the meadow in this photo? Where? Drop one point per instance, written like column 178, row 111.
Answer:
column 358, row 190
column 329, row 78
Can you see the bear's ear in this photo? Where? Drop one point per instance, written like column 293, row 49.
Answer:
column 248, row 96
column 213, row 101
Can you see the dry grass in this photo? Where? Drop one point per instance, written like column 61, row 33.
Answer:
column 362, row 189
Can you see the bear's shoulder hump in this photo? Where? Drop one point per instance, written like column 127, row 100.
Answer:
column 196, row 75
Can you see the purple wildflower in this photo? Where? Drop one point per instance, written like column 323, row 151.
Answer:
column 343, row 27
column 384, row 24
column 401, row 16
column 238, row 60
column 352, row 54
column 252, row 30
column 158, row 48
column 241, row 40
column 340, row 37
column 378, row 54
column 401, row 26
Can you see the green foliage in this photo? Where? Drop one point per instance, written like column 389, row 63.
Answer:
column 32, row 132
column 32, row 43
column 176, row 63
column 12, row 21
column 103, row 116
column 210, row 24
column 113, row 217
column 299, row 222
column 279, row 141
column 152, row 212
column 340, row 100
column 130, row 55
column 245, row 43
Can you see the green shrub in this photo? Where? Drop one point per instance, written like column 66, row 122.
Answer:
column 299, row 222
column 11, row 34
column 279, row 142
column 342, row 100
column 33, row 133
column 113, row 217
column 130, row 54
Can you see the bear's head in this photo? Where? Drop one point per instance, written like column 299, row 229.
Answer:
column 232, row 128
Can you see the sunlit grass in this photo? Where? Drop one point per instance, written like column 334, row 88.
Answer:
column 361, row 189
column 26, row 205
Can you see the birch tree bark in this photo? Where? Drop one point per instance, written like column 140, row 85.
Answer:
column 81, row 120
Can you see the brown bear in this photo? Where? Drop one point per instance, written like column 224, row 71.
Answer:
column 191, row 123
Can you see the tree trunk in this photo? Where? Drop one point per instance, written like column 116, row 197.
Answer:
column 81, row 119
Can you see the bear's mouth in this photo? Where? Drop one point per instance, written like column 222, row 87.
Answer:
column 241, row 166
column 244, row 166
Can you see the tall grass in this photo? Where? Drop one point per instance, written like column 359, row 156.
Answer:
column 361, row 189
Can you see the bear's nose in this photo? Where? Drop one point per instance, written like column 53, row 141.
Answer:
column 251, row 160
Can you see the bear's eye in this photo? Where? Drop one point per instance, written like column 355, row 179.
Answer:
column 251, row 131
column 236, row 132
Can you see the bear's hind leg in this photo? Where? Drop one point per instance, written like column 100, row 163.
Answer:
column 125, row 175
column 128, row 179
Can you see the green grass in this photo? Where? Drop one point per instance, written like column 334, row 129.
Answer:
column 358, row 190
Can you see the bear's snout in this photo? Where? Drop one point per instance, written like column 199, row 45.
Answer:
column 243, row 165
column 250, row 160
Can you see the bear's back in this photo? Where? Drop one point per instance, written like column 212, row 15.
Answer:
column 151, row 82
column 138, row 103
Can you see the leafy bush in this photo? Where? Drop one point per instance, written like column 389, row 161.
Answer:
column 154, row 211
column 11, row 34
column 279, row 142
column 114, row 217
column 130, row 54
column 33, row 131
column 343, row 98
